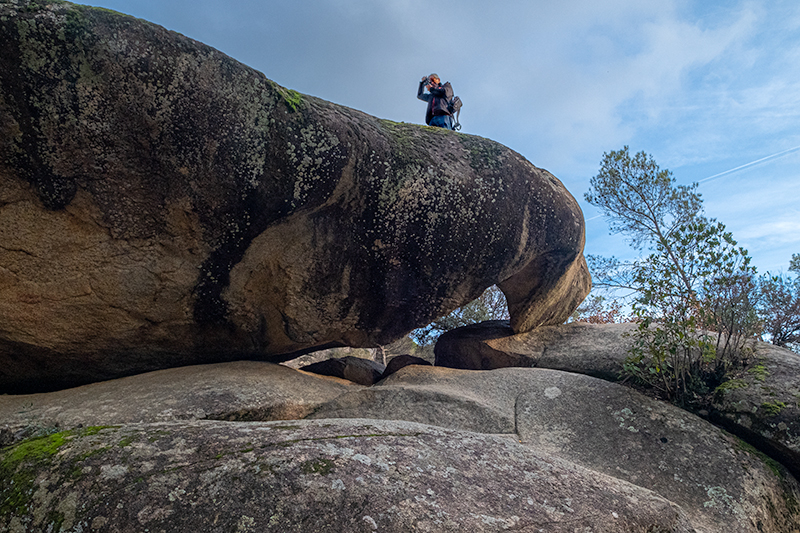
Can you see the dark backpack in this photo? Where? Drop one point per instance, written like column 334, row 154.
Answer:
column 454, row 108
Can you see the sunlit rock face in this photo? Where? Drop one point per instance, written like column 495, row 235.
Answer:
column 162, row 204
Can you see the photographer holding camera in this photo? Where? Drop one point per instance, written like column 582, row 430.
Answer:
column 438, row 96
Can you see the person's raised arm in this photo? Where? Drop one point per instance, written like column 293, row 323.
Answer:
column 421, row 92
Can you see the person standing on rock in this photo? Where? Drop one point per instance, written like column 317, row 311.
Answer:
column 438, row 96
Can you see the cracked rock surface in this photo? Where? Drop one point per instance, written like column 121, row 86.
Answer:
column 516, row 447
column 763, row 406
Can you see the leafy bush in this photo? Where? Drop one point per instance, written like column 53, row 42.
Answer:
column 694, row 293
column 779, row 307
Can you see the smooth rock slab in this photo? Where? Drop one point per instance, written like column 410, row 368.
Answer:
column 763, row 406
column 322, row 476
column 242, row 390
column 723, row 484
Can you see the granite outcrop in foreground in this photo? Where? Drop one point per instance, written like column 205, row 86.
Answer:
column 762, row 405
column 427, row 449
column 162, row 205
column 325, row 476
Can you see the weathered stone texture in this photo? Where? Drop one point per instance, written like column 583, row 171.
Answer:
column 762, row 406
column 162, row 204
column 325, row 476
column 720, row 483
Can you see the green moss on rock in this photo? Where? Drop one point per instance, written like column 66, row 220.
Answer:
column 16, row 470
column 292, row 98
column 770, row 463
column 19, row 463
column 94, row 430
column 322, row 467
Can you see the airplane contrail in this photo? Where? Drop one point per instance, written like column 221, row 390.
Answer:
column 746, row 165
column 751, row 163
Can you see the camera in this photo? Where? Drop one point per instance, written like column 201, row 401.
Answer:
column 426, row 80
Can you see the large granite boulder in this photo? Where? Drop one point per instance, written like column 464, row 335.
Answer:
column 761, row 406
column 162, row 204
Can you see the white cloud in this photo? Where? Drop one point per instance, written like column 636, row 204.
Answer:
column 589, row 75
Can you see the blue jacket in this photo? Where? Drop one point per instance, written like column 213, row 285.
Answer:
column 437, row 98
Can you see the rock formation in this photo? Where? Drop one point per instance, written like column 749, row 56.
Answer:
column 326, row 476
column 355, row 369
column 762, row 407
column 163, row 205
column 594, row 350
column 427, row 449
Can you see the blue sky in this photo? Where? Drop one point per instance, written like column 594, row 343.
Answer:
column 704, row 86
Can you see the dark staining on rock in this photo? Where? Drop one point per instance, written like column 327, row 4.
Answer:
column 24, row 156
column 210, row 308
column 55, row 192
column 217, row 127
column 314, row 162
